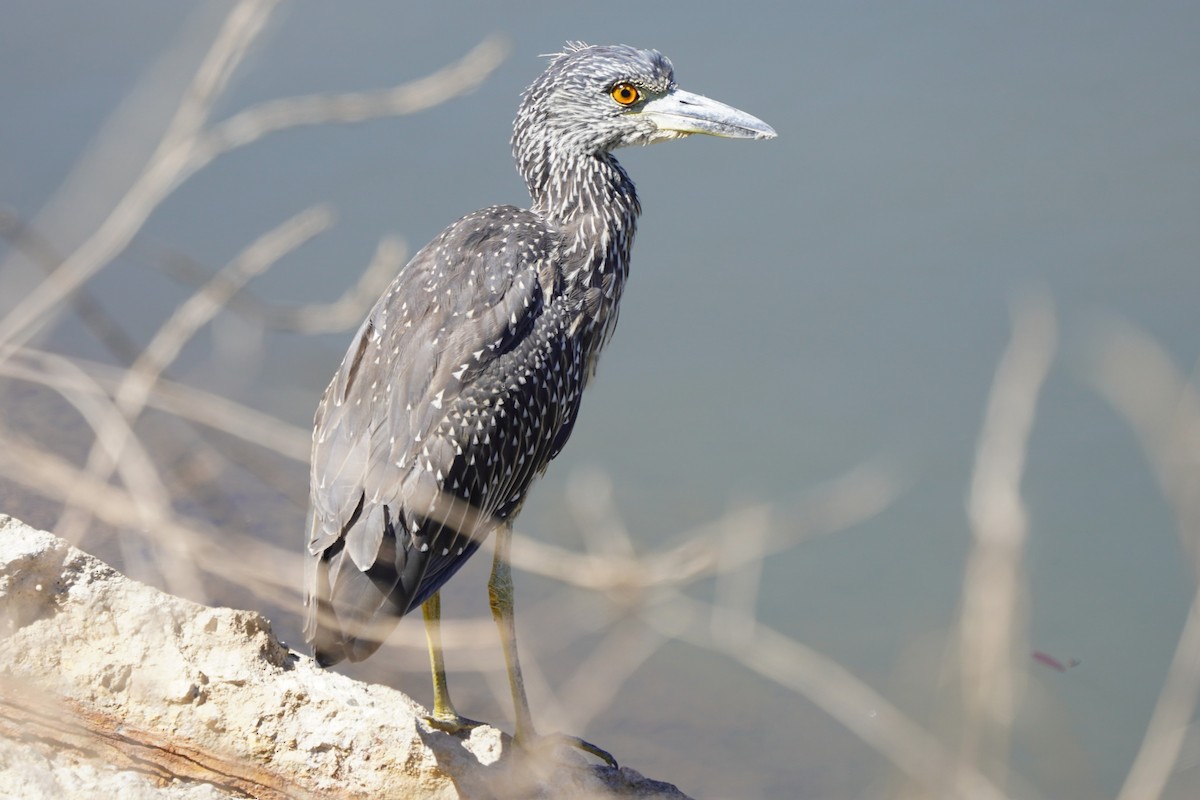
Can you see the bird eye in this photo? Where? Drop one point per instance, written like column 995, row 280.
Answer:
column 625, row 94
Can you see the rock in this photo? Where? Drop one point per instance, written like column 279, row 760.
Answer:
column 110, row 686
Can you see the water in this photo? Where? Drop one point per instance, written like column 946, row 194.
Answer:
column 796, row 307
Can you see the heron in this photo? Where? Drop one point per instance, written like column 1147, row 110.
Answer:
column 465, row 379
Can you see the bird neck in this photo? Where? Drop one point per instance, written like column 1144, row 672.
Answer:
column 592, row 202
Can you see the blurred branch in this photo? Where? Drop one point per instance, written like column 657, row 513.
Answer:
column 264, row 569
column 860, row 494
column 610, row 665
column 989, row 626
column 1163, row 409
column 649, row 587
column 257, row 121
column 186, row 148
column 42, row 252
column 1142, row 383
column 181, row 400
column 345, row 312
column 207, row 302
column 131, row 395
column 647, row 590
column 172, row 162
column 111, row 428
column 832, row 688
column 1171, row 719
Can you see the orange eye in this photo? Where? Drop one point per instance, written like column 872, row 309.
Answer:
column 625, row 94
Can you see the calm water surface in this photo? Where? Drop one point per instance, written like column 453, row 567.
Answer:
column 797, row 307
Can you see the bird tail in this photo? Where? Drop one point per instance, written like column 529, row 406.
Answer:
column 348, row 612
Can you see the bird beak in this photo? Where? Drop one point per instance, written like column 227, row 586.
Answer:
column 679, row 113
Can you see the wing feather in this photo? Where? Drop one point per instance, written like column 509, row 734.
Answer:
column 429, row 401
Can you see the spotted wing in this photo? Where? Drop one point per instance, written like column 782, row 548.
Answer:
column 423, row 440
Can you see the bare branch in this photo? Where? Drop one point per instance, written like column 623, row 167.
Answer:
column 186, row 402
column 988, row 624
column 345, row 312
column 41, row 251
column 166, row 344
column 860, row 494
column 185, row 148
column 458, row 78
column 170, row 165
column 205, row 304
column 831, row 687
column 260, row 567
column 1141, row 382
column 110, row 426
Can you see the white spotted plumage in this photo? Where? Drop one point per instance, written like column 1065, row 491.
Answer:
column 485, row 342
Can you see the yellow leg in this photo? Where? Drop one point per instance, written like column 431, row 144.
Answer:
column 500, row 594
column 444, row 716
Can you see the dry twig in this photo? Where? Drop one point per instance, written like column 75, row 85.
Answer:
column 990, row 629
column 1164, row 411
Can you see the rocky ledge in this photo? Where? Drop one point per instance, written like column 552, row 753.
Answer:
column 108, row 685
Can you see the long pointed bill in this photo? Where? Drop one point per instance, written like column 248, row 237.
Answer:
column 679, row 113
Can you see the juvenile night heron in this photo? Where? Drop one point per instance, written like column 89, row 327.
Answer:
column 465, row 380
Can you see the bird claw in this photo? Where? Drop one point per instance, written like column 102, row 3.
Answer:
column 453, row 723
column 545, row 741
column 450, row 723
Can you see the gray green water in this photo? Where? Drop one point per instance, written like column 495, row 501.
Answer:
column 796, row 307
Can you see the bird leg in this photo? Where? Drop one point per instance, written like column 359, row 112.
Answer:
column 444, row 717
column 500, row 596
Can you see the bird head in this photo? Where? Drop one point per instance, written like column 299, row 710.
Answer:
column 594, row 99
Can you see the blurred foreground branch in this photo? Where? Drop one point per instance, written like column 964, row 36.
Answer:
column 654, row 595
column 991, row 630
column 345, row 312
column 187, row 146
column 164, row 347
column 1163, row 408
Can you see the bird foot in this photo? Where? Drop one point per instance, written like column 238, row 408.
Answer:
column 454, row 724
column 450, row 723
column 541, row 742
